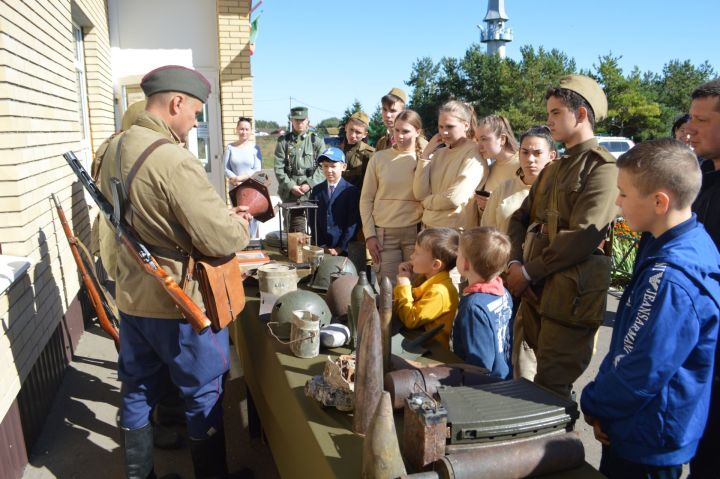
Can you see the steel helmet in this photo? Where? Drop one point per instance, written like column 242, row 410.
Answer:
column 282, row 311
column 338, row 294
column 328, row 266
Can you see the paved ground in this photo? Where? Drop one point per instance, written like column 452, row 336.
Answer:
column 81, row 440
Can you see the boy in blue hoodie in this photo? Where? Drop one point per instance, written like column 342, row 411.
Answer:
column 649, row 401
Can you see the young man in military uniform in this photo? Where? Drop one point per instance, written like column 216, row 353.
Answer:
column 296, row 167
column 176, row 212
column 392, row 104
column 557, row 262
column 704, row 131
column 357, row 152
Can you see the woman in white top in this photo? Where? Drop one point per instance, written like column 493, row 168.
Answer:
column 241, row 160
column 389, row 212
column 450, row 168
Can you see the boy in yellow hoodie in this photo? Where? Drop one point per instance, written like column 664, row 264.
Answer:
column 435, row 300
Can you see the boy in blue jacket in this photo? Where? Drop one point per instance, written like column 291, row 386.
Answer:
column 338, row 213
column 482, row 329
column 649, row 401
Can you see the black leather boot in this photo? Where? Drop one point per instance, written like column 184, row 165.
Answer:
column 209, row 459
column 139, row 453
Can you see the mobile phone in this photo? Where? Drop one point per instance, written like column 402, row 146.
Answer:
column 483, row 193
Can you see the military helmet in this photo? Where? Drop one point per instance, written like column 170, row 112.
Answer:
column 338, row 293
column 282, row 311
column 328, row 266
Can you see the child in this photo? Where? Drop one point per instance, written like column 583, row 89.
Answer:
column 481, row 334
column 450, row 168
column 435, row 301
column 338, row 213
column 392, row 104
column 649, row 401
column 357, row 152
column 390, row 214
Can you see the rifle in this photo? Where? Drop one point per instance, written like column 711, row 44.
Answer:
column 127, row 235
column 103, row 319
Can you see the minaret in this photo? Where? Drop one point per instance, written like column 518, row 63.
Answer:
column 496, row 34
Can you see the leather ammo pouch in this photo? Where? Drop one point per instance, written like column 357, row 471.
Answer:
column 576, row 296
column 221, row 285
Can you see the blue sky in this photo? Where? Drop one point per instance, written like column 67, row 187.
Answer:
column 324, row 54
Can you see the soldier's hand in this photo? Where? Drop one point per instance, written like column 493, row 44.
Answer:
column 241, row 213
column 516, row 282
column 297, row 191
column 373, row 245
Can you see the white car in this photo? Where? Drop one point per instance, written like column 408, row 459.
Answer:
column 616, row 145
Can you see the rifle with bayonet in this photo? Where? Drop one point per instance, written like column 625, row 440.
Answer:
column 127, row 236
column 105, row 323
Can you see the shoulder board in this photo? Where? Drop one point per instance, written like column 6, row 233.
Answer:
column 604, row 154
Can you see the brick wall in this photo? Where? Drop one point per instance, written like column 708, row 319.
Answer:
column 236, row 90
column 39, row 121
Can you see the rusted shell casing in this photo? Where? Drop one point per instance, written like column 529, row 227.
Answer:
column 524, row 458
column 381, row 452
column 368, row 374
column 424, row 431
column 254, row 194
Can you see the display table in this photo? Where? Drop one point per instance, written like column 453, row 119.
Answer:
column 307, row 440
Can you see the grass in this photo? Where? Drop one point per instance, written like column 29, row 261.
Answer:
column 267, row 148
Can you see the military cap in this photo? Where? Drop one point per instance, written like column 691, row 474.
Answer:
column 398, row 93
column 332, row 154
column 589, row 89
column 298, row 113
column 360, row 116
column 176, row 78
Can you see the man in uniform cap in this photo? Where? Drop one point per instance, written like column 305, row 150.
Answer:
column 176, row 212
column 704, row 132
column 357, row 152
column 392, row 104
column 557, row 261
column 296, row 168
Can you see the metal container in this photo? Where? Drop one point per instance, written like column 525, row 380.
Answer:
column 305, row 334
column 277, row 278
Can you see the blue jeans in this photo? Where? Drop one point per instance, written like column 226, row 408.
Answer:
column 615, row 467
column 157, row 352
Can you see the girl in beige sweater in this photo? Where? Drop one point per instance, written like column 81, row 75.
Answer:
column 497, row 144
column 450, row 168
column 389, row 211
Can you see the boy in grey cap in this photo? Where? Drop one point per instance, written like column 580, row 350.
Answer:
column 557, row 264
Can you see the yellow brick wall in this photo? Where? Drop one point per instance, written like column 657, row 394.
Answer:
column 39, row 121
column 236, row 92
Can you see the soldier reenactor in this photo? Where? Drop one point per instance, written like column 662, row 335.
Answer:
column 357, row 152
column 296, row 166
column 392, row 104
column 557, row 261
column 176, row 212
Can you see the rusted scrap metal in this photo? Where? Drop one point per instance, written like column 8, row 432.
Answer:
column 424, row 430
column 368, row 375
column 334, row 388
column 386, row 308
column 381, row 452
column 523, row 458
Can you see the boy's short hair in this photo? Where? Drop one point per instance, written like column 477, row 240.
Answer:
column 572, row 100
column 709, row 89
column 442, row 244
column 665, row 164
column 487, row 250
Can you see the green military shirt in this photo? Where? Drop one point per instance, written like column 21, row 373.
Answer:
column 357, row 157
column 383, row 143
column 296, row 163
column 587, row 188
column 177, row 208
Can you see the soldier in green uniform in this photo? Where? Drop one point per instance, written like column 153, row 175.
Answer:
column 557, row 263
column 357, row 152
column 392, row 104
column 175, row 212
column 296, row 167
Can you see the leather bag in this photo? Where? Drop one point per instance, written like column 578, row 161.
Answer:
column 221, row 286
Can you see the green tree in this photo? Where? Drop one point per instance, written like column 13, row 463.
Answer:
column 332, row 122
column 266, row 125
column 424, row 80
column 377, row 127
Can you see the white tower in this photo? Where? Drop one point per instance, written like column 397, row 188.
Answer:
column 496, row 34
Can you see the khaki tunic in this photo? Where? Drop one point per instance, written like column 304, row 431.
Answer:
column 357, row 157
column 296, row 163
column 587, row 179
column 177, row 207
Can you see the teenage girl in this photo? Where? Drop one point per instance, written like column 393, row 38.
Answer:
column 450, row 168
column 389, row 211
